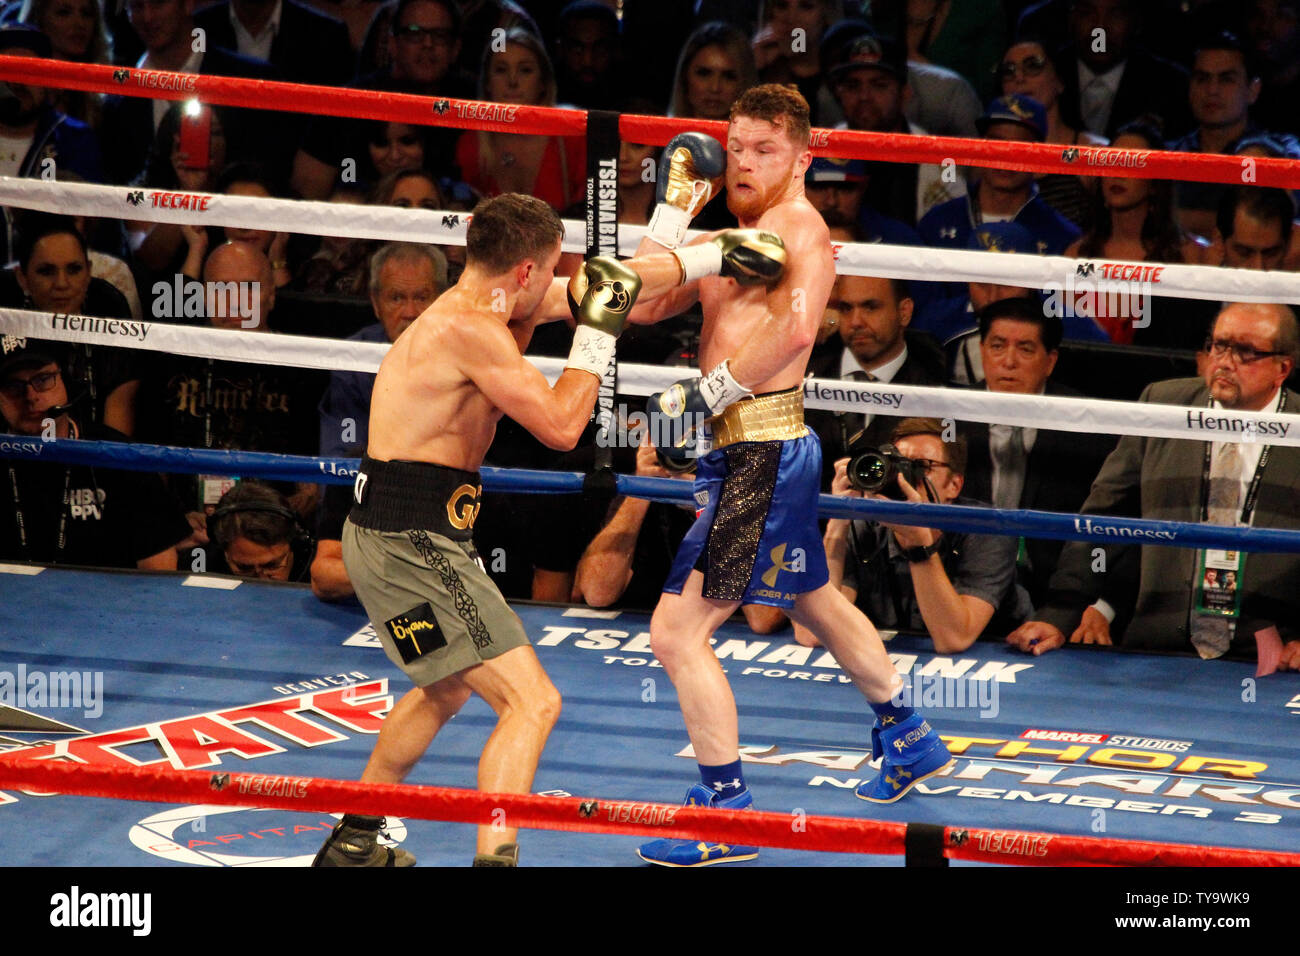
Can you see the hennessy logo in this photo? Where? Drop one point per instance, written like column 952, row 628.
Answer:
column 121, row 76
column 460, row 512
column 779, row 564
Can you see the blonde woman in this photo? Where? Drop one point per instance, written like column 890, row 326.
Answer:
column 552, row 168
column 715, row 67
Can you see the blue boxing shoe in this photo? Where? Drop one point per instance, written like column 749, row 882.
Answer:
column 698, row 852
column 912, row 752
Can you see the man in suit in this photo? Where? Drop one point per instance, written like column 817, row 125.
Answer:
column 1035, row 468
column 871, row 315
column 1254, row 350
column 1109, row 78
column 130, row 124
column 306, row 46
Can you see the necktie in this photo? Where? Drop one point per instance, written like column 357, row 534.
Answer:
column 1094, row 104
column 861, row 421
column 1009, row 470
column 1212, row 633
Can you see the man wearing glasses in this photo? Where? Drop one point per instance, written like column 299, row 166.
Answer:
column 259, row 535
column 423, row 47
column 52, row 513
column 1252, row 349
column 921, row 579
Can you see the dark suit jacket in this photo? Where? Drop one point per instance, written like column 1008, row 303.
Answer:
column 1058, row 476
column 1149, row 85
column 127, row 132
column 1161, row 478
column 924, row 366
column 309, row 47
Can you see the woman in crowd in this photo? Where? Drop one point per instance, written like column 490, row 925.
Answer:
column 1026, row 69
column 53, row 275
column 1133, row 220
column 552, row 168
column 715, row 67
column 77, row 32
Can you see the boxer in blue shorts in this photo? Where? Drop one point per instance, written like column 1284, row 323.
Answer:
column 756, row 537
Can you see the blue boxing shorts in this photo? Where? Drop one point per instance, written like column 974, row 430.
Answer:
column 756, row 539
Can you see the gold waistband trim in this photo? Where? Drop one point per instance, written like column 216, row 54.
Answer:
column 774, row 417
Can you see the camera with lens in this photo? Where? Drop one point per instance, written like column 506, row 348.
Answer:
column 876, row 471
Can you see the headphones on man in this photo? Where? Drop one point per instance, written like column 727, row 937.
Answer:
column 301, row 541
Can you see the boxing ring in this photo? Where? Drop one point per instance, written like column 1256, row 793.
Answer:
column 230, row 713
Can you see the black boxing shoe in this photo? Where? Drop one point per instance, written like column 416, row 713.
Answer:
column 355, row 842
column 507, row 854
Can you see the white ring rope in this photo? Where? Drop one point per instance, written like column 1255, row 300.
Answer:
column 917, row 263
column 1034, row 411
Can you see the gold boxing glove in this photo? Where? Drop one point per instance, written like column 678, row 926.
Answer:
column 601, row 296
column 750, row 256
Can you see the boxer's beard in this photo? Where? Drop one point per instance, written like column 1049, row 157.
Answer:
column 752, row 204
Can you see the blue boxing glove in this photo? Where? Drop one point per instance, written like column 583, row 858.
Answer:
column 689, row 172
column 677, row 412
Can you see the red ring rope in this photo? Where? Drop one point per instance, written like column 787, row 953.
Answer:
column 651, row 130
column 755, row 828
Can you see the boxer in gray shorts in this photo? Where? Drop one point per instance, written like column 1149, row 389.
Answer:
column 407, row 545
column 433, row 606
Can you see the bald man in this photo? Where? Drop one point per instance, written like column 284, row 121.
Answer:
column 213, row 403
column 239, row 287
column 1253, row 350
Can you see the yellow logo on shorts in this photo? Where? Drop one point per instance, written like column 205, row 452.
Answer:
column 416, row 632
column 796, row 563
column 460, row 512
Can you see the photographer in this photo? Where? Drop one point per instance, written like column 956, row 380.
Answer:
column 915, row 578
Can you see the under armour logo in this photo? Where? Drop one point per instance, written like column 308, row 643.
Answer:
column 706, row 849
column 451, row 220
column 723, row 784
column 441, row 107
column 947, row 232
column 888, row 721
column 779, row 564
column 1069, row 154
column 121, row 76
column 897, row 782
column 135, row 197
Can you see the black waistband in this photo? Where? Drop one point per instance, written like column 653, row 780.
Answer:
column 401, row 495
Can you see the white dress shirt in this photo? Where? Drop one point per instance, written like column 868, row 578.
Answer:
column 258, row 46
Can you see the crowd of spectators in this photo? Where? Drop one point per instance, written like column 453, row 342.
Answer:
column 1206, row 76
